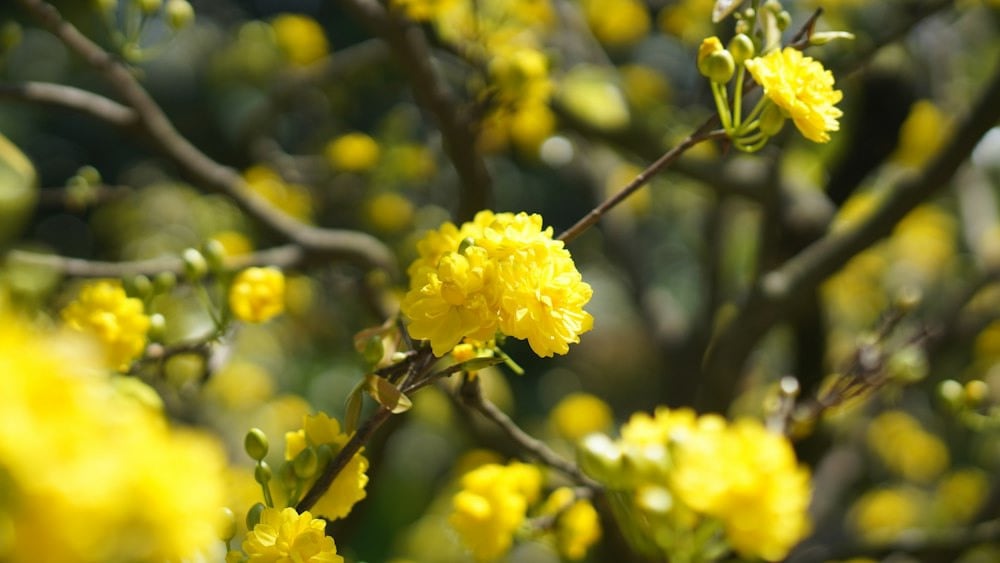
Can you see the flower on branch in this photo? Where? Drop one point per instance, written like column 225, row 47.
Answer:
column 286, row 535
column 498, row 272
column 802, row 88
column 102, row 309
column 348, row 488
column 257, row 294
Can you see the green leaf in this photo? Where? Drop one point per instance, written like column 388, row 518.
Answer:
column 387, row 394
column 352, row 410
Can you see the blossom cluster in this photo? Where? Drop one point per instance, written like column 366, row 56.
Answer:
column 105, row 312
column 494, row 503
column 286, row 535
column 90, row 469
column 686, row 475
column 499, row 272
column 348, row 488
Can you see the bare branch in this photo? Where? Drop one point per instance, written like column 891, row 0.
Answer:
column 72, row 98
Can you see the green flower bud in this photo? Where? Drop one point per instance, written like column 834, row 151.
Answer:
column 374, row 350
column 255, row 444
column 149, row 7
column 952, row 393
column 157, row 327
column 253, row 515
column 180, row 14
column 305, row 463
column 719, row 66
column 784, row 19
column 288, row 477
column 262, row 473
column 741, row 46
column 771, row 120
column 106, row 5
column 908, row 365
column 164, row 282
column 215, row 254
column 824, row 37
column 227, row 524
column 89, row 174
column 195, row 265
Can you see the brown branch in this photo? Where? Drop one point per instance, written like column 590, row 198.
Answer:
column 69, row 97
column 353, row 246
column 410, row 47
column 776, row 292
column 472, row 396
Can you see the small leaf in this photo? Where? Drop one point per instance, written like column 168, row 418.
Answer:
column 723, row 8
column 352, row 410
column 387, row 394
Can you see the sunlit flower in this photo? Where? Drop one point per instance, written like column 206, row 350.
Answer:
column 257, row 294
column 881, row 515
column 349, row 486
column 301, row 38
column 285, row 535
column 293, row 199
column 499, row 271
column 492, row 504
column 579, row 414
column 577, row 524
column 353, row 152
column 802, row 88
column 103, row 310
column 906, row 448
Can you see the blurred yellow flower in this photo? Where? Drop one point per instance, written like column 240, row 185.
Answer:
column 617, row 23
column 960, row 494
column 90, row 473
column 349, row 486
column 293, row 199
column 579, row 414
column 103, row 310
column 285, row 535
column 257, row 294
column 233, row 243
column 353, row 152
column 921, row 135
column 390, row 212
column 577, row 524
column 301, row 39
column 802, row 88
column 492, row 504
column 880, row 516
column 905, row 448
column 689, row 20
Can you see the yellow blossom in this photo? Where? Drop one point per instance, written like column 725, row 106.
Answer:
column 508, row 274
column 802, row 88
column 579, row 414
column 492, row 504
column 881, row 515
column 285, row 535
column 353, row 152
column 293, row 199
column 103, row 310
column 906, row 448
column 617, row 23
column 301, row 38
column 577, row 524
column 90, row 472
column 349, row 486
column 257, row 294
column 390, row 212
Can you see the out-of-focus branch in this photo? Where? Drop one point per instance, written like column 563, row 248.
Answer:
column 472, row 396
column 778, row 291
column 412, row 52
column 353, row 246
column 72, row 98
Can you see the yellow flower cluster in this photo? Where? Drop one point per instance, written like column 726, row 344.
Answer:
column 257, row 294
column 286, row 535
column 349, row 486
column 293, row 199
column 801, row 88
column 498, row 272
column 907, row 449
column 117, row 321
column 687, row 474
column 492, row 505
column 90, row 470
column 577, row 525
column 301, row 38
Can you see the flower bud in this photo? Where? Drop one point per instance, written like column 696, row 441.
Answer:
column 227, row 524
column 305, row 463
column 195, row 265
column 138, row 286
column 719, row 66
column 708, row 47
column 288, row 478
column 253, row 515
column 149, row 7
column 157, row 327
column 106, row 5
column 741, row 46
column 163, row 282
column 771, row 120
column 976, row 392
column 908, row 365
column 952, row 393
column 255, row 444
column 784, row 19
column 215, row 254
column 180, row 14
column 374, row 350
column 824, row 37
column 262, row 473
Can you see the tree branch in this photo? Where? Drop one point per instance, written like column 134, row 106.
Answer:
column 354, row 246
column 776, row 292
column 68, row 97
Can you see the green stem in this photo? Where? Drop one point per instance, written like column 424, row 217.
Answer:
column 722, row 106
column 758, row 109
column 738, row 97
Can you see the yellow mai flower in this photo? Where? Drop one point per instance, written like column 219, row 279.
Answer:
column 492, row 505
column 349, row 486
column 301, row 38
column 257, row 294
column 103, row 310
column 353, row 152
column 883, row 515
column 286, row 535
column 905, row 448
column 293, row 199
column 801, row 88
column 617, row 23
column 79, row 447
column 579, row 414
column 577, row 524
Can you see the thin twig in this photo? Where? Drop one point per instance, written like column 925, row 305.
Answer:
column 69, row 97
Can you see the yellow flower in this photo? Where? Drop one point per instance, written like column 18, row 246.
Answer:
column 802, row 88
column 103, row 310
column 301, row 38
column 353, row 152
column 76, row 447
column 257, row 294
column 349, row 486
column 905, row 448
column 285, row 535
column 579, row 414
column 577, row 524
column 880, row 516
column 617, row 23
column 390, row 212
column 492, row 505
column 293, row 199
column 508, row 274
